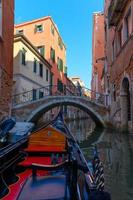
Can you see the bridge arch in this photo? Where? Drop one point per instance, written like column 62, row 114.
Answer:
column 70, row 101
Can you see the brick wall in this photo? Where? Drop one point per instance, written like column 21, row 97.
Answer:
column 6, row 56
column 98, row 52
column 119, row 58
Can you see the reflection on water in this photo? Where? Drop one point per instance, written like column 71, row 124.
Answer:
column 80, row 126
column 116, row 153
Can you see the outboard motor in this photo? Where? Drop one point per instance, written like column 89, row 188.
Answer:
column 5, row 126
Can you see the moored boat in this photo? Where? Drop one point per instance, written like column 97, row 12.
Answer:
column 55, row 168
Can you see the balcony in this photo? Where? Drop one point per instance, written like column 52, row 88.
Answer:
column 115, row 11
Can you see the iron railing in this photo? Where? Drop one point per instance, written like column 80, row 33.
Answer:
column 40, row 93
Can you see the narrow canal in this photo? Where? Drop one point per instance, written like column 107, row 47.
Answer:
column 116, row 153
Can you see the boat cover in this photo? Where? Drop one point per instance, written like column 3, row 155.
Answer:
column 22, row 128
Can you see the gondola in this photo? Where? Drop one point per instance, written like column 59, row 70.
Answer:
column 54, row 168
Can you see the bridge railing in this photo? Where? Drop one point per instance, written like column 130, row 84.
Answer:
column 54, row 90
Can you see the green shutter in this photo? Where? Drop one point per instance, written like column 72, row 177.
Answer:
column 65, row 71
column 61, row 65
column 60, row 86
column 58, row 63
column 43, row 51
column 52, row 53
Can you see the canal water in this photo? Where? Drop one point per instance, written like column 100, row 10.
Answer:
column 116, row 153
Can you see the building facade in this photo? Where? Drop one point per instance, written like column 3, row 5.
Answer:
column 77, row 81
column 80, row 87
column 44, row 35
column 98, row 52
column 119, row 61
column 31, row 70
column 6, row 55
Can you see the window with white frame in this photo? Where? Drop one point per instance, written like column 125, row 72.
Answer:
column 0, row 17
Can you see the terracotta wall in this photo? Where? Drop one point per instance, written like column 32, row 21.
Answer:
column 6, row 55
column 98, row 52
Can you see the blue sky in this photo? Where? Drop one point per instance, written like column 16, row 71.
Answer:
column 74, row 21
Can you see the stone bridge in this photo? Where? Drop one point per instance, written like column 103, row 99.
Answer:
column 32, row 110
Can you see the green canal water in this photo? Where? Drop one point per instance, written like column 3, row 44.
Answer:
column 116, row 153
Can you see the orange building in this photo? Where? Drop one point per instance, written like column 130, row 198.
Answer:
column 98, row 52
column 6, row 54
column 44, row 35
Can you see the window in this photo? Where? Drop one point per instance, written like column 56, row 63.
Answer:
column 35, row 66
column 41, row 69
column 120, row 38
column 40, row 94
column 60, row 64
column 34, row 94
column 41, row 50
column 65, row 71
column 47, row 74
column 128, row 25
column 38, row 28
column 60, row 43
column 52, row 29
column 52, row 54
column 19, row 32
column 0, row 17
column 60, row 86
column 23, row 56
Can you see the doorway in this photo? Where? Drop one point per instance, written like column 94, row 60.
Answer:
column 125, row 104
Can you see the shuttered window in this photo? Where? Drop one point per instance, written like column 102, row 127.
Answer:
column 52, row 29
column 52, row 54
column 60, row 43
column 41, row 50
column 60, row 86
column 65, row 71
column 60, row 64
